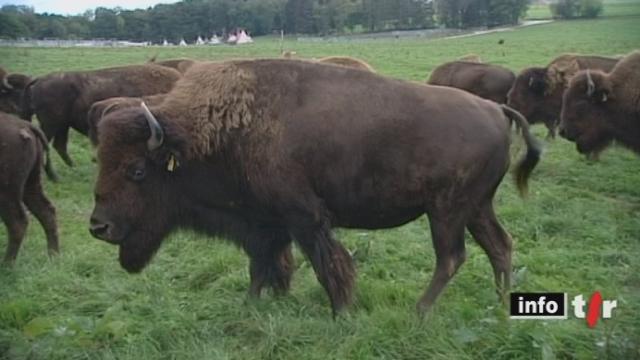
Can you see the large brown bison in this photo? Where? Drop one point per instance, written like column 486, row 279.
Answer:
column 61, row 101
column 266, row 152
column 21, row 160
column 599, row 108
column 11, row 88
column 488, row 81
column 537, row 91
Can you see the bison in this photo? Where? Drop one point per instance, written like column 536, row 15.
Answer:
column 599, row 108
column 347, row 61
column 61, row 101
column 182, row 65
column 21, row 160
column 11, row 88
column 266, row 152
column 488, row 81
column 537, row 91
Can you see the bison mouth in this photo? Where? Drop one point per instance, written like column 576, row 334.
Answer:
column 137, row 250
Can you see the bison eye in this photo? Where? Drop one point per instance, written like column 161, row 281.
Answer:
column 136, row 173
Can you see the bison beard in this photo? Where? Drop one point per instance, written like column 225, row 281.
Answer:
column 138, row 248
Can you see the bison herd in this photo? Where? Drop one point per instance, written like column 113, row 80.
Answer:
column 270, row 152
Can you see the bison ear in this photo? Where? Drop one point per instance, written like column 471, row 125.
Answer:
column 169, row 160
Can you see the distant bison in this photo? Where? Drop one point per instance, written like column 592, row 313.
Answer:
column 266, row 152
column 599, row 108
column 488, row 81
column 11, row 88
column 21, row 159
column 182, row 65
column 61, row 101
column 348, row 62
column 537, row 92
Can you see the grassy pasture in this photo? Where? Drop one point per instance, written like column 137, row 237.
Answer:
column 579, row 231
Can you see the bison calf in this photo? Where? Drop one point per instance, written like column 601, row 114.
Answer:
column 21, row 157
column 599, row 108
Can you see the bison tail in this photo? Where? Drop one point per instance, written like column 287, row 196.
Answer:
column 534, row 150
column 48, row 167
column 26, row 110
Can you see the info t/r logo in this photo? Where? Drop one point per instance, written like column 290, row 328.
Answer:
column 554, row 306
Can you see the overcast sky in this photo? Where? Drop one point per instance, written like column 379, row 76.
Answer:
column 71, row 7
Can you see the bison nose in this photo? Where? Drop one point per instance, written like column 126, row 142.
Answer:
column 100, row 230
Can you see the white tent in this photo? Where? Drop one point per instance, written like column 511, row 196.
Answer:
column 199, row 41
column 165, row 42
column 243, row 38
column 232, row 39
column 214, row 40
column 183, row 43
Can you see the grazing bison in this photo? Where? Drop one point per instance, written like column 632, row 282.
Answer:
column 471, row 58
column 599, row 108
column 61, row 101
column 348, row 62
column 21, row 157
column 537, row 92
column 101, row 108
column 488, row 81
column 266, row 152
column 182, row 65
column 11, row 88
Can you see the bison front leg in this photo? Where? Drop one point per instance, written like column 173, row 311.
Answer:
column 331, row 262
column 271, row 264
column 60, row 144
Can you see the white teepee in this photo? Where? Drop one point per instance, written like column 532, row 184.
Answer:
column 243, row 38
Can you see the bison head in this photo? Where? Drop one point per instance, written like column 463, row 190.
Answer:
column 11, row 89
column 135, row 207
column 584, row 118
column 530, row 95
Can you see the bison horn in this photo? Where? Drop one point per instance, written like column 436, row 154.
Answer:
column 5, row 83
column 591, row 86
column 157, row 134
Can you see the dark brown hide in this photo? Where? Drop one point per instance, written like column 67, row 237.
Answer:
column 537, row 92
column 61, row 101
column 488, row 81
column 266, row 152
column 348, row 62
column 21, row 157
column 599, row 108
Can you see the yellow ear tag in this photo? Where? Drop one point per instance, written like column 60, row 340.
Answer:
column 172, row 164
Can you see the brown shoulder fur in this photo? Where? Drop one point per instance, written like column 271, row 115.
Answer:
column 348, row 62
column 211, row 100
column 625, row 79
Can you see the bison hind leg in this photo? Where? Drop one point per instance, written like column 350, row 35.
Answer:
column 15, row 218
column 497, row 244
column 447, row 233
column 271, row 264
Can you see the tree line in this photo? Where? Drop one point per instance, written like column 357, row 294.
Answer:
column 189, row 19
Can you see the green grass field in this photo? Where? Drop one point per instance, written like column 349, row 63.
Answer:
column 578, row 231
